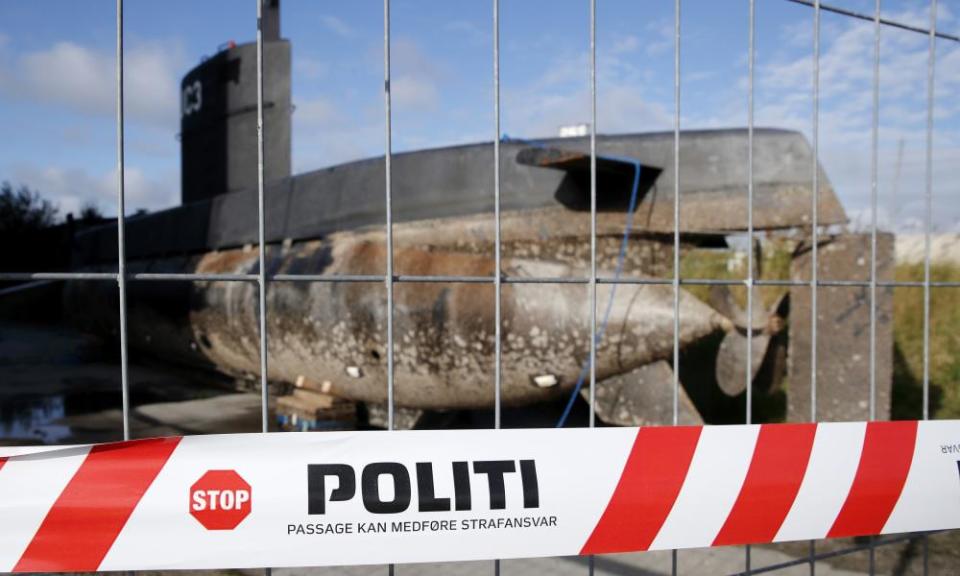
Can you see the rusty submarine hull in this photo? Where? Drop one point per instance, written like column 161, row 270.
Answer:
column 330, row 336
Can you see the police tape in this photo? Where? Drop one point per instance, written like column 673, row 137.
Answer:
column 312, row 499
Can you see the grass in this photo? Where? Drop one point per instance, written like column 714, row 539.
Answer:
column 944, row 344
column 713, row 264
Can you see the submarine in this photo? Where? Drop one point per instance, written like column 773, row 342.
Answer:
column 329, row 337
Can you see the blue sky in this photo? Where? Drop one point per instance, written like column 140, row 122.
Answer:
column 57, row 87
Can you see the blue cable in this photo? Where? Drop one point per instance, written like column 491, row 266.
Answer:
column 638, row 168
column 613, row 291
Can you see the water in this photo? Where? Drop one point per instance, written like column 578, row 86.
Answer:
column 34, row 418
column 37, row 418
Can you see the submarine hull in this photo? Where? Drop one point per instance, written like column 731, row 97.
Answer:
column 332, row 335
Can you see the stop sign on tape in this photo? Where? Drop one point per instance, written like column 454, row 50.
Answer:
column 220, row 499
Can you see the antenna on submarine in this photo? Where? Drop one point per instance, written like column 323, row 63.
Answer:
column 270, row 20
column 217, row 136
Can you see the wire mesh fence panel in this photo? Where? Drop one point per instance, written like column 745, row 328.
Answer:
column 869, row 336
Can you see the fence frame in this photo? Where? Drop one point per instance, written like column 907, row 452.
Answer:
column 389, row 279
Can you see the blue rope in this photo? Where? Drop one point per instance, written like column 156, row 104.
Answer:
column 613, row 291
column 634, row 193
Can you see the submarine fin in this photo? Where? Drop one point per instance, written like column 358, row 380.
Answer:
column 616, row 177
column 576, row 161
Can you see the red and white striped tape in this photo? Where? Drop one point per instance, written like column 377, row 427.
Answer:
column 251, row 500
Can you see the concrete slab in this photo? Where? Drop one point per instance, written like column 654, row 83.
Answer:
column 843, row 332
column 227, row 414
column 642, row 397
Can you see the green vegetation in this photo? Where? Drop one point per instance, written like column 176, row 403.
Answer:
column 700, row 264
column 23, row 210
column 27, row 231
column 944, row 344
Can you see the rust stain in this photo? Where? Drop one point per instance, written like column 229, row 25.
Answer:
column 226, row 261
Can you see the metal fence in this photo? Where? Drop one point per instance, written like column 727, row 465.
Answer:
column 262, row 279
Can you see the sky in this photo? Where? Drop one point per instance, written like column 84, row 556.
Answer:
column 57, row 85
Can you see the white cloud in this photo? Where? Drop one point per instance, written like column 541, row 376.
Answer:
column 660, row 37
column 625, row 44
column 328, row 131
column 83, row 79
column 337, row 26
column 560, row 95
column 415, row 76
column 628, row 102
column 621, row 109
column 469, row 30
column 72, row 188
column 784, row 99
column 152, row 83
column 309, row 68
column 324, row 135
column 413, row 91
column 315, row 112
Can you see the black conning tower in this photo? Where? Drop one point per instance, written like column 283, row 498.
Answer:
column 218, row 115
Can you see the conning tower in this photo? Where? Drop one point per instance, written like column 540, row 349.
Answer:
column 218, row 115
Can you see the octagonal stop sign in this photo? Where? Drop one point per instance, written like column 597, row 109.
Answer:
column 220, row 499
